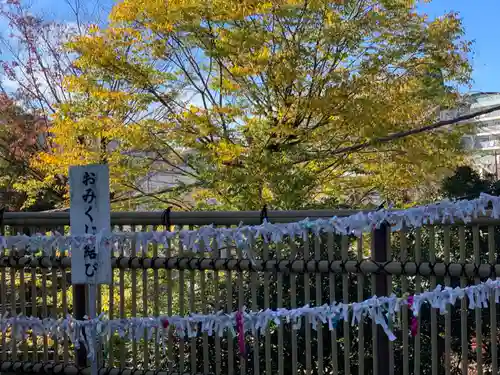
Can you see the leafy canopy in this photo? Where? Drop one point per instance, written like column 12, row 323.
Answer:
column 467, row 183
column 250, row 101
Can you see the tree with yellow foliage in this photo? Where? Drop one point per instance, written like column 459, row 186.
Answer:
column 250, row 101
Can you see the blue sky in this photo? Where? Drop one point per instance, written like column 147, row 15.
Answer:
column 61, row 11
column 480, row 18
column 482, row 24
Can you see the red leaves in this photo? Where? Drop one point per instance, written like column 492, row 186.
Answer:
column 20, row 131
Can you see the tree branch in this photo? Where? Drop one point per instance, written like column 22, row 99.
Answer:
column 403, row 134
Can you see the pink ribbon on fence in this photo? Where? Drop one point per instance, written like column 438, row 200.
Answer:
column 165, row 323
column 414, row 321
column 241, row 332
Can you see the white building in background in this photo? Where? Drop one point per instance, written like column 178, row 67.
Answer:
column 485, row 140
column 162, row 177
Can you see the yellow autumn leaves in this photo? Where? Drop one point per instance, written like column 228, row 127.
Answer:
column 250, row 100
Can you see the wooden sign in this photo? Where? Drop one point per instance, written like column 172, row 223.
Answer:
column 90, row 213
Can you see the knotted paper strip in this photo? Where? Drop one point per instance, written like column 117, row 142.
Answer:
column 204, row 238
column 381, row 310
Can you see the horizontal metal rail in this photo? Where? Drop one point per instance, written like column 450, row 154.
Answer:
column 176, row 218
column 54, row 219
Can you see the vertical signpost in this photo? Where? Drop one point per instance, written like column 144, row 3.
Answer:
column 89, row 214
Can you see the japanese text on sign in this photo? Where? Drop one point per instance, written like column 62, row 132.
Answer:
column 89, row 197
column 90, row 214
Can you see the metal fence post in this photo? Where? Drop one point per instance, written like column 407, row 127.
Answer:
column 79, row 307
column 379, row 254
column 79, row 312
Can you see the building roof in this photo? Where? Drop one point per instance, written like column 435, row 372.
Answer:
column 482, row 99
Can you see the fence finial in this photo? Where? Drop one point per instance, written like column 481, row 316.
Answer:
column 263, row 214
column 165, row 218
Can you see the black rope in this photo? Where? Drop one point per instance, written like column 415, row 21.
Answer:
column 462, row 270
column 417, row 270
column 42, row 369
column 380, row 267
column 277, row 266
column 130, row 261
column 343, row 266
column 431, row 266
column 357, row 266
column 226, row 263
column 14, row 259
column 118, row 261
column 330, row 265
column 28, row 367
column 59, row 368
column 165, row 218
column 251, row 268
column 273, row 265
column 238, row 265
column 212, row 263
column 177, row 263
column 153, row 261
column 476, row 269
column 298, row 265
column 197, row 263
column 50, row 367
column 403, row 268
column 447, row 269
column 19, row 368
column 32, row 369
column 263, row 214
